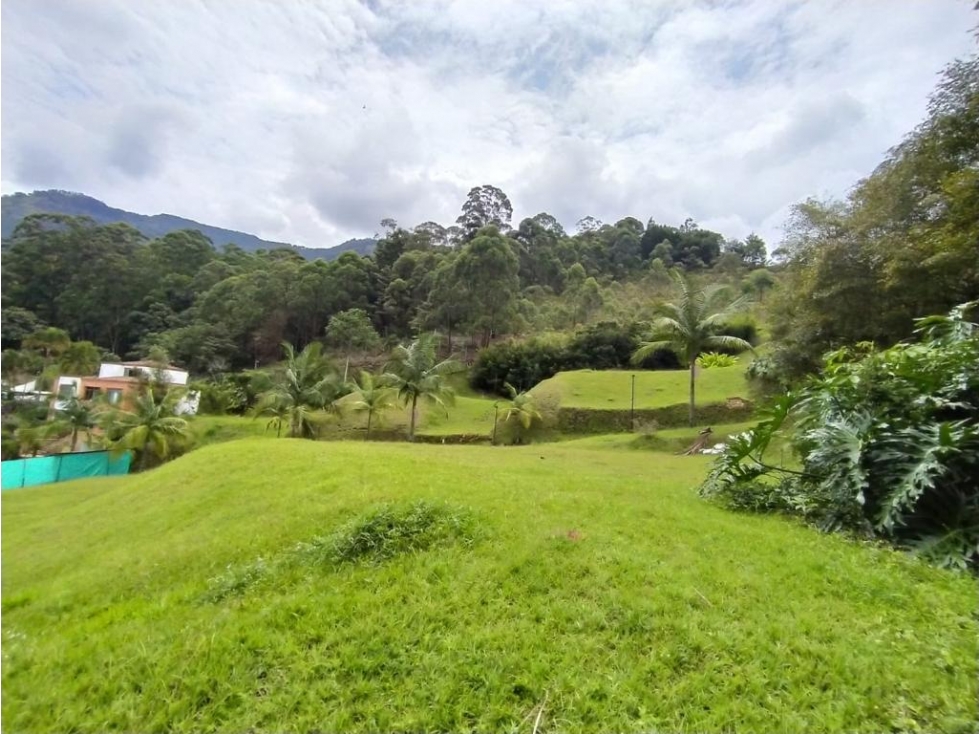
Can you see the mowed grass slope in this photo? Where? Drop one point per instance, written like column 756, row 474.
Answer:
column 612, row 389
column 602, row 588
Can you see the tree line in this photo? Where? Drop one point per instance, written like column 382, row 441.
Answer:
column 214, row 311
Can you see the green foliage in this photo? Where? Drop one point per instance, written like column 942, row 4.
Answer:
column 523, row 364
column 16, row 324
column 76, row 418
column 708, row 360
column 901, row 246
column 415, row 374
column 606, row 345
column 370, row 398
column 50, row 341
column 20, row 365
column 219, row 311
column 692, row 325
column 151, row 429
column 80, row 358
column 487, row 268
column 351, row 330
column 888, row 442
column 307, row 383
column 393, row 530
column 519, row 416
column 221, row 396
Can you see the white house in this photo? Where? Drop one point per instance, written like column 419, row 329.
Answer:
column 119, row 381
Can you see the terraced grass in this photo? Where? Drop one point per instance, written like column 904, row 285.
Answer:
column 600, row 592
column 468, row 415
column 611, row 389
column 667, row 439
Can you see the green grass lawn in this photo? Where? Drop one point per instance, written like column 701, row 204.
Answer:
column 611, row 389
column 470, row 414
column 599, row 587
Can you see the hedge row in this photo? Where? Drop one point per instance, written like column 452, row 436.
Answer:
column 524, row 364
column 603, row 346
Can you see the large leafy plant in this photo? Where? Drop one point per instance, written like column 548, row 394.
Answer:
column 888, row 443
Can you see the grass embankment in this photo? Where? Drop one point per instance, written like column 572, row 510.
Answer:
column 472, row 413
column 608, row 593
column 667, row 439
column 611, row 389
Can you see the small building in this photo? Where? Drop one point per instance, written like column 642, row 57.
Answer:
column 28, row 391
column 117, row 382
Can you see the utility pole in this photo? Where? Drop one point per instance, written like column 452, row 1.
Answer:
column 632, row 406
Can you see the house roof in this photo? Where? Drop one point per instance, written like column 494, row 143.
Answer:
column 147, row 363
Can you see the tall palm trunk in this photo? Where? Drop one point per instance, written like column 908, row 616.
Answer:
column 693, row 365
column 411, row 424
column 370, row 414
column 74, row 439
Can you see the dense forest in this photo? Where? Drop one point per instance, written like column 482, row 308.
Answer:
column 216, row 310
column 902, row 245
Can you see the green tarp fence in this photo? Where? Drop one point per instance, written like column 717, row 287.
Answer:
column 61, row 468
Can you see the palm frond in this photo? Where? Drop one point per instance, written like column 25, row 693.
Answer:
column 646, row 349
column 731, row 343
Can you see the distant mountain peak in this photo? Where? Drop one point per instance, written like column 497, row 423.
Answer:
column 55, row 201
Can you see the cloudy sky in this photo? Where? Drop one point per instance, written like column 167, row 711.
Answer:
column 310, row 122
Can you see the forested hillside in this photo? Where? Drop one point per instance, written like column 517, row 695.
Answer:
column 219, row 309
column 18, row 206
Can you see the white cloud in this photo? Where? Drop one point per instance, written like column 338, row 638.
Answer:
column 310, row 122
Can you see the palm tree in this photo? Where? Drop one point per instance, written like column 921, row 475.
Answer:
column 520, row 409
column 278, row 413
column 76, row 417
column 30, row 439
column 689, row 326
column 151, row 429
column 371, row 398
column 415, row 374
column 307, row 384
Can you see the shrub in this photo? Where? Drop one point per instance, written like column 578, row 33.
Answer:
column 236, row 580
column 393, row 530
column 707, row 360
column 221, row 396
column 889, row 443
column 522, row 365
column 607, row 345
column 743, row 328
column 379, row 535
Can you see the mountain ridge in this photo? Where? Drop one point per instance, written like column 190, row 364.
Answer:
column 54, row 201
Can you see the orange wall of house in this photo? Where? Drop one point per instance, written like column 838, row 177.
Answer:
column 105, row 384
